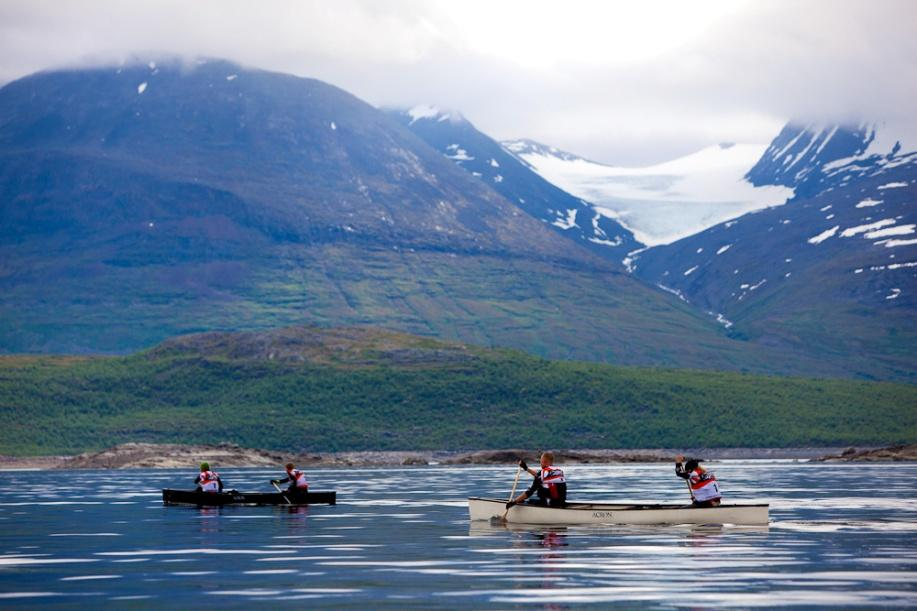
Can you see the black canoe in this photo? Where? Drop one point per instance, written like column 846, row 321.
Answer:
column 232, row 497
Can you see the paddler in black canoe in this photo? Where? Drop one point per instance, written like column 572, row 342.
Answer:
column 549, row 484
column 207, row 480
column 297, row 479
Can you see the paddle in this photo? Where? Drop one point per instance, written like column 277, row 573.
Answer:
column 690, row 490
column 274, row 484
column 512, row 493
column 681, row 459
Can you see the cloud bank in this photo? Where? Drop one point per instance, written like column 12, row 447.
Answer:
column 623, row 84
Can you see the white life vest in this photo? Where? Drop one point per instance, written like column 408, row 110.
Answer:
column 703, row 486
column 299, row 478
column 210, row 481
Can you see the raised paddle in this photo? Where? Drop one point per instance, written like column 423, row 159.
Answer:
column 274, row 484
column 512, row 493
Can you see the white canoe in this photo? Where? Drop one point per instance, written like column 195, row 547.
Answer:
column 610, row 513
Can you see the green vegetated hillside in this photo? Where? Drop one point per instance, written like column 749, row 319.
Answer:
column 551, row 310
column 305, row 388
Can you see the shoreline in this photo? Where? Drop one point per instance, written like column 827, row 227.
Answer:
column 224, row 455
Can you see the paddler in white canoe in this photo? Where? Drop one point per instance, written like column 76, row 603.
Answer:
column 705, row 492
column 549, row 484
column 552, row 507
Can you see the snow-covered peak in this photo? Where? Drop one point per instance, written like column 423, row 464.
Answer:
column 423, row 112
column 523, row 147
column 807, row 156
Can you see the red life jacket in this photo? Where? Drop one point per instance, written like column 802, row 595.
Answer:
column 703, row 485
column 550, row 478
column 298, row 478
column 209, row 481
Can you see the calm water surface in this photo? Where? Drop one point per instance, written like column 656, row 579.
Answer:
column 840, row 535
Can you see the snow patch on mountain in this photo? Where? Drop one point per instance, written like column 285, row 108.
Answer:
column 425, row 111
column 894, row 243
column 890, row 231
column 881, row 141
column 824, row 235
column 675, row 292
column 568, row 221
column 664, row 202
column 457, row 153
column 852, row 231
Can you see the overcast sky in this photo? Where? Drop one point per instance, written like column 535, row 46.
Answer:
column 621, row 82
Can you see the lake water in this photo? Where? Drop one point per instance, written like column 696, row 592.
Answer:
column 840, row 535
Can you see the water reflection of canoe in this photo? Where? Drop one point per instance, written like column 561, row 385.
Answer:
column 610, row 513
column 232, row 497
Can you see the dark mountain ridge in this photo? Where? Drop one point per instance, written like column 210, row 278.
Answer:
column 264, row 137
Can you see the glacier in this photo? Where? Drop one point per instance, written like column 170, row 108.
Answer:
column 665, row 202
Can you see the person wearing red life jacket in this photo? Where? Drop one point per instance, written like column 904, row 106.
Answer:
column 705, row 492
column 207, row 480
column 550, row 484
column 296, row 478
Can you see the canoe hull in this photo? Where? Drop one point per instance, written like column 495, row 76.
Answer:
column 219, row 499
column 609, row 513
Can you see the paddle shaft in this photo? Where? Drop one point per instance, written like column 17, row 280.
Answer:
column 281, row 493
column 680, row 460
column 512, row 493
column 690, row 490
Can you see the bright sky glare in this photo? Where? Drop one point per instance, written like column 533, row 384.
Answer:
column 623, row 82
column 539, row 34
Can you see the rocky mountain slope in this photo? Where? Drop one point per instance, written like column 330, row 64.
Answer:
column 456, row 138
column 833, row 270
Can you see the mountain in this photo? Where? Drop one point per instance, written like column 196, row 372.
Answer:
column 664, row 202
column 456, row 138
column 311, row 389
column 146, row 201
column 813, row 158
column 291, row 157
column 834, row 270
